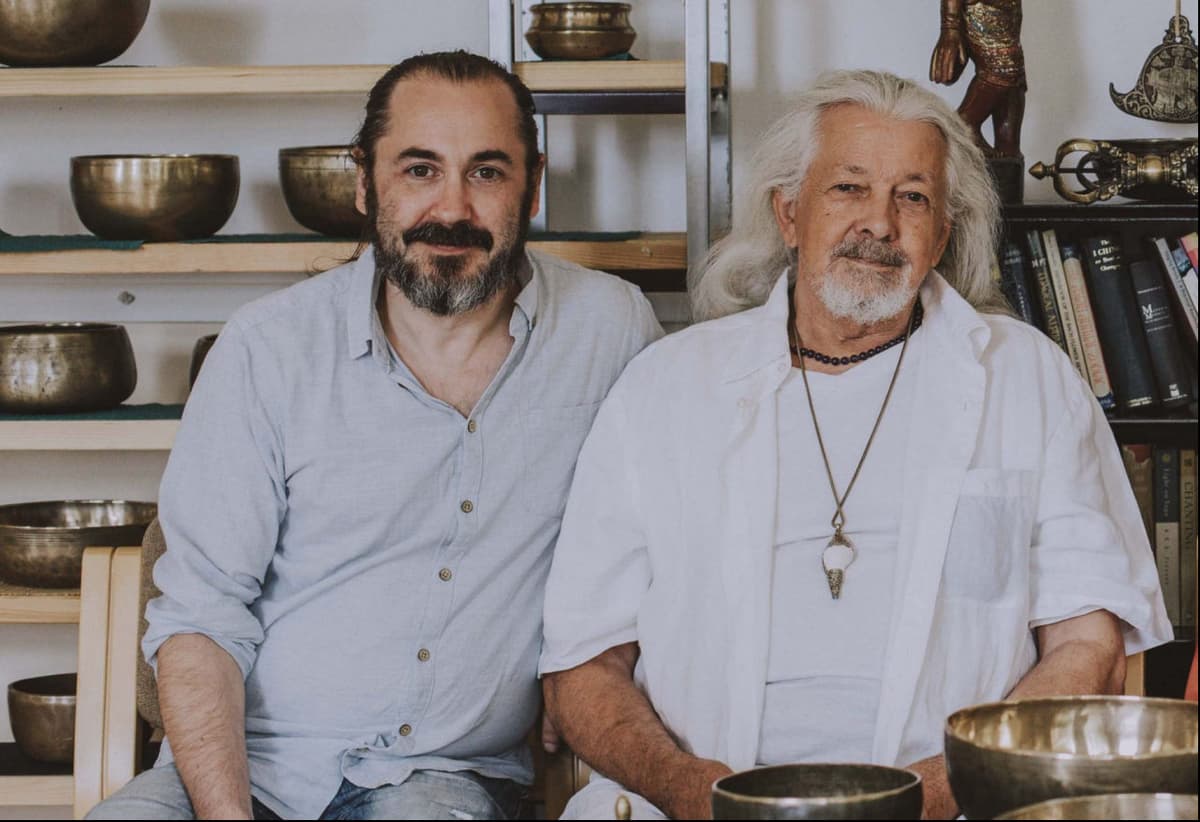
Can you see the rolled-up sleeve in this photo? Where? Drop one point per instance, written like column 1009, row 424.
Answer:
column 601, row 570
column 1090, row 549
column 221, row 503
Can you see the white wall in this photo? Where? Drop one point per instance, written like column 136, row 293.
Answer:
column 605, row 173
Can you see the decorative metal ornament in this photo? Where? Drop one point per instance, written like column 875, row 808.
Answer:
column 839, row 553
column 1157, row 170
column 1166, row 89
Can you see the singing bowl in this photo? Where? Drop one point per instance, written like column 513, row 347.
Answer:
column 41, row 543
column 199, row 352
column 162, row 197
column 818, row 791
column 42, row 713
column 580, row 31
column 318, row 185
column 68, row 32
column 1005, row 755
column 56, row 368
column 1111, row 806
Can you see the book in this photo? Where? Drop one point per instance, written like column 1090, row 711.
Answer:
column 1178, row 290
column 1085, row 322
column 1189, row 242
column 1162, row 340
column 1014, row 281
column 1062, row 299
column 1187, row 272
column 1166, row 527
column 1187, row 541
column 1040, row 266
column 1116, row 311
column 1139, row 466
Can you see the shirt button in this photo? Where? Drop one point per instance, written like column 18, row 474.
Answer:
column 423, row 654
column 445, row 574
column 467, row 506
column 472, row 426
column 405, row 729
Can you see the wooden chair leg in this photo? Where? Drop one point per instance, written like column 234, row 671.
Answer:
column 121, row 733
column 93, row 678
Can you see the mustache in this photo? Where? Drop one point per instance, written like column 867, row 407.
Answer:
column 461, row 235
column 871, row 251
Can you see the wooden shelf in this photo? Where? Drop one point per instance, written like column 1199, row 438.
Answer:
column 24, row 781
column 38, row 606
column 121, row 81
column 87, row 435
column 663, row 251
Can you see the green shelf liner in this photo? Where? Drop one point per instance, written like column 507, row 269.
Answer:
column 149, row 411
column 622, row 56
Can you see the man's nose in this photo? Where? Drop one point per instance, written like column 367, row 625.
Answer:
column 878, row 217
column 453, row 203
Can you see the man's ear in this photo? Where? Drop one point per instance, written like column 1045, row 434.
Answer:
column 535, row 180
column 785, row 218
column 360, row 184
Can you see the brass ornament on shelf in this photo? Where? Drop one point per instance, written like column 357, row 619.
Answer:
column 1166, row 88
column 1156, row 169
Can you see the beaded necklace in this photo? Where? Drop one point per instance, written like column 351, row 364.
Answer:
column 918, row 315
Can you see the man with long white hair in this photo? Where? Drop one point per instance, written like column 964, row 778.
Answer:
column 859, row 499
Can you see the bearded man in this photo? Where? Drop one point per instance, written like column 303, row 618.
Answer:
column 364, row 493
column 810, row 530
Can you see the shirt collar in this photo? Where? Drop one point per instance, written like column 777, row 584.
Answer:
column 362, row 317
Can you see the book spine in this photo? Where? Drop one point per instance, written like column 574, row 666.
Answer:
column 1062, row 299
column 1121, row 337
column 1190, row 242
column 1139, row 466
column 1187, row 272
column 1187, row 541
column 1014, row 280
column 1045, row 291
column 1174, row 387
column 1085, row 322
column 1166, row 527
column 1178, row 290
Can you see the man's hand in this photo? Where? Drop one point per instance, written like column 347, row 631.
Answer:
column 692, row 798
column 939, row 801
column 550, row 736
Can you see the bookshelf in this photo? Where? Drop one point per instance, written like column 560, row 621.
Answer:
column 1166, row 667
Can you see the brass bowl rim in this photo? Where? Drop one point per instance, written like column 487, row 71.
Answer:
column 798, row 801
column 317, row 150
column 582, row 6
column 58, row 328
column 1062, row 755
column 71, row 528
column 106, row 158
column 46, row 699
column 1070, row 800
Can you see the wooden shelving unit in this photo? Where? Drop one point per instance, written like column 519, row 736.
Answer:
column 38, row 606
column 127, row 81
column 87, row 435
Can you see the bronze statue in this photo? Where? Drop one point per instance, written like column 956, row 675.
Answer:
column 989, row 33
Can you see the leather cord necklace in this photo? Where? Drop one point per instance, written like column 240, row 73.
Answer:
column 839, row 552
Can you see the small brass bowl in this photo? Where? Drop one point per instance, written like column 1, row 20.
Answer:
column 818, row 791
column 1111, row 806
column 42, row 713
column 56, row 368
column 318, row 186
column 41, row 543
column 1005, row 755
column 199, row 352
column 580, row 31
column 68, row 32
column 163, row 197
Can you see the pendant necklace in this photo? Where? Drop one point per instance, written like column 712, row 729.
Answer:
column 839, row 552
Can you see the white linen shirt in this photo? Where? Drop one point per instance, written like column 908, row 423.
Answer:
column 1016, row 513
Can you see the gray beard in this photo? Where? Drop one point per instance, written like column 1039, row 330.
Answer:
column 864, row 297
column 443, row 291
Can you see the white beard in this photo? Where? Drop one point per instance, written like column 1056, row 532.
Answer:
column 862, row 296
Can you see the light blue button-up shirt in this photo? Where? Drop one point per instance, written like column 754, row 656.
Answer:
column 372, row 560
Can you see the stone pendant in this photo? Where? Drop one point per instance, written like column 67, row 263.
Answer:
column 835, row 559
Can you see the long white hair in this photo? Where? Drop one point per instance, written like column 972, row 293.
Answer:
column 739, row 271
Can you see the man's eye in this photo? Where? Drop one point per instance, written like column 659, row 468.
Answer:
column 915, row 197
column 421, row 171
column 488, row 173
column 846, row 187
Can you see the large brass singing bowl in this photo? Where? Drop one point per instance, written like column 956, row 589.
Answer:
column 68, row 32
column 41, row 543
column 57, row 368
column 42, row 713
column 1111, row 806
column 1005, row 755
column 580, row 31
column 818, row 791
column 199, row 352
column 318, row 185
column 163, row 197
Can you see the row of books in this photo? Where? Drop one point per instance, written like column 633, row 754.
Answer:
column 1126, row 316
column 1164, row 484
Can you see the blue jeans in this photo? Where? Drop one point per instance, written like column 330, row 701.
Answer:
column 159, row 794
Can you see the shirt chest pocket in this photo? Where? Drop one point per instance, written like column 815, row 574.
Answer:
column 987, row 559
column 551, row 439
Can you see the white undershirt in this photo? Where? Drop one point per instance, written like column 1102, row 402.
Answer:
column 826, row 655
